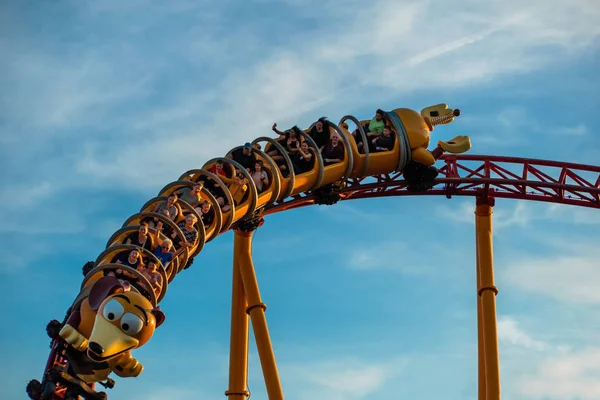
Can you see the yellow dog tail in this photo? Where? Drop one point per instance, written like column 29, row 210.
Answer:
column 459, row 144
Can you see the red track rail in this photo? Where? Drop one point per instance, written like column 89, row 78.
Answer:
column 474, row 175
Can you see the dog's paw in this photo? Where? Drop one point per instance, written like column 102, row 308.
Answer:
column 127, row 366
column 73, row 337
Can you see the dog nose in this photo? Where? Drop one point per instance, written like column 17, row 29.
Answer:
column 96, row 348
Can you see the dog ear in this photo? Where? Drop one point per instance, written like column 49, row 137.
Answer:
column 103, row 288
column 159, row 315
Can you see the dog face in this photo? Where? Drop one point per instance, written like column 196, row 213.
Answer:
column 124, row 321
column 439, row 114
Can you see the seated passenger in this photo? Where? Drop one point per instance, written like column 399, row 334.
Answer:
column 238, row 188
column 377, row 123
column 320, row 132
column 383, row 142
column 218, row 169
column 164, row 252
column 244, row 156
column 206, row 213
column 292, row 144
column 333, row 152
column 189, row 231
column 372, row 130
column 131, row 259
column 141, row 238
column 191, row 196
column 358, row 138
column 274, row 152
column 151, row 273
column 259, row 176
column 216, row 190
column 170, row 206
column 303, row 160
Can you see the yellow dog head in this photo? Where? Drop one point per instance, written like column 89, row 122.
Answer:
column 124, row 321
column 438, row 114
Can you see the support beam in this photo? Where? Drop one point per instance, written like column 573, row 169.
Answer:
column 480, row 350
column 256, row 309
column 487, row 293
column 238, row 347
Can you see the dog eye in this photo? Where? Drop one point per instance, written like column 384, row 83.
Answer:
column 113, row 310
column 131, row 324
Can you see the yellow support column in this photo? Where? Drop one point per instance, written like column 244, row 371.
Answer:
column 480, row 351
column 487, row 293
column 238, row 348
column 256, row 309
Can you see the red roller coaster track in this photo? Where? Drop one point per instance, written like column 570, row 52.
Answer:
column 474, row 175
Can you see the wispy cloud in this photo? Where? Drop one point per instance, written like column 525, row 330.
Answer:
column 122, row 97
column 519, row 214
column 510, row 332
column 345, row 211
column 110, row 92
column 569, row 278
column 574, row 215
column 544, row 369
column 339, row 379
column 571, row 376
column 396, row 257
column 578, row 130
column 509, row 214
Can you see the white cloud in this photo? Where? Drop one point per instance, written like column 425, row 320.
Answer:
column 534, row 369
column 519, row 214
column 345, row 211
column 383, row 256
column 515, row 214
column 574, row 215
column 567, row 377
column 569, row 278
column 19, row 196
column 578, row 130
column 505, row 127
column 351, row 379
column 167, row 392
column 510, row 332
column 108, row 85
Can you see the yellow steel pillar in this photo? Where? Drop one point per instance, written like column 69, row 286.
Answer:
column 256, row 309
column 238, row 347
column 480, row 351
column 487, row 293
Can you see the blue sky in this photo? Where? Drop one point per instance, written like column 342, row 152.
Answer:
column 105, row 102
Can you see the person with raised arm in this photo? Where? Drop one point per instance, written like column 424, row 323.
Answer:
column 165, row 253
column 319, row 132
column 303, row 159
